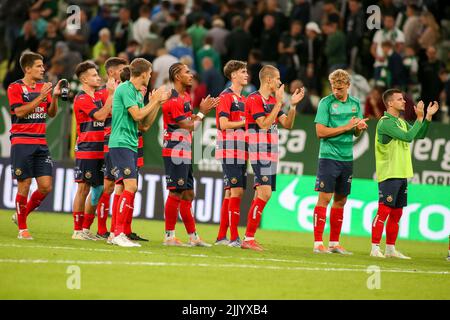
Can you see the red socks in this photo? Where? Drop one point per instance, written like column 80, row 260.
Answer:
column 21, row 207
column 125, row 204
column 87, row 220
column 254, row 216
column 187, row 215
column 320, row 217
column 378, row 222
column 35, row 201
column 114, row 212
column 234, row 209
column 224, row 219
column 392, row 225
column 171, row 212
column 129, row 219
column 102, row 212
column 78, row 218
column 336, row 217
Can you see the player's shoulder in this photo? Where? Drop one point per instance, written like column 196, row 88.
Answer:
column 353, row 99
column 16, row 85
column 327, row 100
column 226, row 93
column 254, row 96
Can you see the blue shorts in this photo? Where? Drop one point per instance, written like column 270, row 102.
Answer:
column 89, row 171
column 178, row 176
column 124, row 162
column 265, row 174
column 234, row 175
column 108, row 167
column 30, row 161
column 334, row 176
column 393, row 193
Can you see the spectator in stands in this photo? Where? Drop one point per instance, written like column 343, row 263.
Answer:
column 208, row 51
column 100, row 21
column 184, row 48
column 52, row 34
column 305, row 106
column 301, row 11
column 153, row 39
column 239, row 42
column 212, row 78
column 218, row 33
column 429, row 79
column 268, row 40
column 335, row 47
column 199, row 91
column 161, row 67
column 39, row 24
column 430, row 32
column 175, row 39
column 411, row 64
column 288, row 46
column 142, row 25
column 198, row 33
column 77, row 36
column 396, row 73
column 311, row 58
column 412, row 26
column 388, row 33
column 354, row 27
column 374, row 107
column 123, row 31
column 254, row 65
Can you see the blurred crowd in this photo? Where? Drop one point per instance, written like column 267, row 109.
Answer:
column 407, row 45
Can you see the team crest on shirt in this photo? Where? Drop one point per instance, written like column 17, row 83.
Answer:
column 353, row 109
column 127, row 171
column 322, row 184
column 265, row 179
column 180, row 182
column 18, row 172
column 88, row 174
column 335, row 105
column 389, row 199
column 234, row 180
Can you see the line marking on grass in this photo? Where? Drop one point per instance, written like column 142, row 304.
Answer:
column 207, row 265
column 117, row 250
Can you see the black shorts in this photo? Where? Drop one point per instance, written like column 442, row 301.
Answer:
column 265, row 174
column 334, row 176
column 393, row 192
column 30, row 161
column 108, row 167
column 234, row 175
column 124, row 162
column 178, row 175
column 89, row 171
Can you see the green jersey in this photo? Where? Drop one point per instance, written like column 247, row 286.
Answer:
column 334, row 113
column 124, row 130
column 392, row 152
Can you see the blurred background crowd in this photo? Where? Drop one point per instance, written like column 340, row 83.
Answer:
column 407, row 45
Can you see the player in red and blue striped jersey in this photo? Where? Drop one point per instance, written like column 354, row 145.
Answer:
column 263, row 113
column 90, row 115
column 231, row 150
column 179, row 123
column 31, row 101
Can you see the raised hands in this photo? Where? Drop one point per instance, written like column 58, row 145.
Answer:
column 45, row 90
column 208, row 103
column 279, row 95
column 161, row 94
column 355, row 122
column 111, row 85
column 297, row 96
column 419, row 109
column 433, row 107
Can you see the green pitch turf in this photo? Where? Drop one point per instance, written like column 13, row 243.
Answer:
column 288, row 269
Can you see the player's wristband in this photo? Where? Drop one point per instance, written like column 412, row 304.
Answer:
column 200, row 115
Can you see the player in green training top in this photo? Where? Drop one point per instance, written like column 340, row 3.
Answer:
column 394, row 166
column 128, row 113
column 338, row 119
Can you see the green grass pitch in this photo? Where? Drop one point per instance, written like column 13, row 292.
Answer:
column 288, row 269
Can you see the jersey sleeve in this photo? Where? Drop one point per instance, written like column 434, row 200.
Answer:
column 85, row 105
column 255, row 108
column 15, row 96
column 423, row 129
column 322, row 115
column 129, row 98
column 390, row 129
column 224, row 107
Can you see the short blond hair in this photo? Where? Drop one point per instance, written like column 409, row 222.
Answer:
column 267, row 71
column 339, row 77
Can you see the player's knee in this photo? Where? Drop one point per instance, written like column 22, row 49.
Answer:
column 83, row 189
column 265, row 195
column 24, row 186
column 188, row 195
column 45, row 188
column 237, row 192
